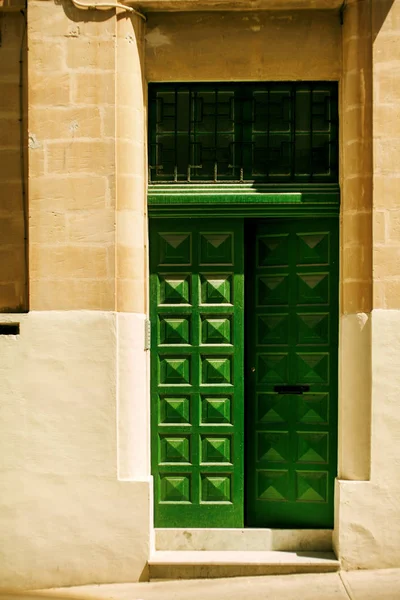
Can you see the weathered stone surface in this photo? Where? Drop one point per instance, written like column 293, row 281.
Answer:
column 198, row 5
column 12, row 5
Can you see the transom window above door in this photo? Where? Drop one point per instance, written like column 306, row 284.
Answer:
column 228, row 132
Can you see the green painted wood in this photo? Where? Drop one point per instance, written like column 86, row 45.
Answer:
column 244, row 200
column 197, row 294
column 292, row 324
column 243, row 211
column 280, row 132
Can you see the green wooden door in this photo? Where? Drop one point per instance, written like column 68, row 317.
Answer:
column 197, row 372
column 292, row 324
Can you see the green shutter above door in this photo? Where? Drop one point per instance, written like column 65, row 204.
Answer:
column 284, row 132
column 197, row 372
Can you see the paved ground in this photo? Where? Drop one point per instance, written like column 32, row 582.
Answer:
column 353, row 585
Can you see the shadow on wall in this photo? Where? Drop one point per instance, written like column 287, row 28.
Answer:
column 380, row 11
column 77, row 15
column 13, row 164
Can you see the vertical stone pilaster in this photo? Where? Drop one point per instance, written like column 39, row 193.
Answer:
column 131, row 250
column 131, row 236
column 356, row 239
column 356, row 160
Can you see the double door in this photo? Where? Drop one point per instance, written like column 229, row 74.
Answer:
column 244, row 371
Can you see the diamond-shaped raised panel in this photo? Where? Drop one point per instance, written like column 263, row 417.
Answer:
column 313, row 288
column 312, row 248
column 311, row 486
column 273, row 446
column 312, row 328
column 272, row 368
column 174, row 449
column 273, row 486
column 271, row 408
column 175, row 249
column 174, row 409
column 216, row 409
column 216, row 330
column 273, row 250
column 216, row 249
column 174, row 330
column 272, row 329
column 216, row 289
column 215, row 488
column 215, row 449
column 312, row 368
column 175, row 488
column 216, row 369
column 175, row 289
column 312, row 447
column 273, row 290
column 313, row 409
column 174, row 370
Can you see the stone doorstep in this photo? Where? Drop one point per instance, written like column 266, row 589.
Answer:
column 216, row 564
column 286, row 540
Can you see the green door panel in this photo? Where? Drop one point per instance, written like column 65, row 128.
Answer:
column 197, row 340
column 292, row 340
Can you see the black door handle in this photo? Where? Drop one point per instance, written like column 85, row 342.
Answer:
column 291, row 389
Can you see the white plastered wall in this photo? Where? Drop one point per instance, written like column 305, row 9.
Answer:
column 368, row 526
column 75, row 506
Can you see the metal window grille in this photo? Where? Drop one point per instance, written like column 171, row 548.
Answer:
column 267, row 133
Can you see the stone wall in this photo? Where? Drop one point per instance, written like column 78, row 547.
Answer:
column 386, row 201
column 243, row 46
column 71, row 158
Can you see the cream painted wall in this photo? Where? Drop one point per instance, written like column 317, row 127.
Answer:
column 71, row 509
column 368, row 523
column 354, row 422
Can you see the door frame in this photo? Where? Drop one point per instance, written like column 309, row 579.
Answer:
column 245, row 202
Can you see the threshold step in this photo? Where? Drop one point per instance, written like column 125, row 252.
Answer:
column 286, row 540
column 215, row 564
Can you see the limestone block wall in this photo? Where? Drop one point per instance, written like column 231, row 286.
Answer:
column 386, row 71
column 13, row 272
column 131, row 160
column 71, row 69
